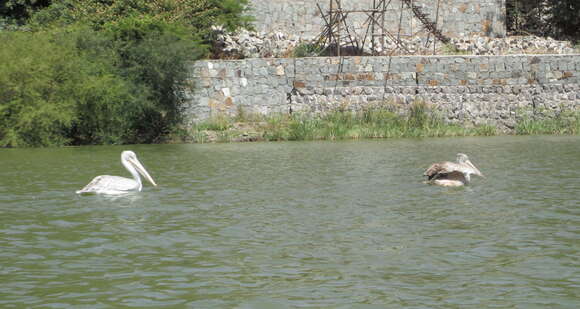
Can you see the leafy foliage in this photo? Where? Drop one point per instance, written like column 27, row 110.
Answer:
column 79, row 86
column 20, row 10
column 307, row 50
column 48, row 88
column 558, row 18
column 199, row 15
column 565, row 18
column 154, row 54
column 94, row 71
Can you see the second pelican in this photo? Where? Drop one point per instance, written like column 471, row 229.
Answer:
column 449, row 174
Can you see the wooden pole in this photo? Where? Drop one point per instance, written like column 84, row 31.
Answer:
column 373, row 29
column 339, row 29
column 436, row 21
column 384, row 11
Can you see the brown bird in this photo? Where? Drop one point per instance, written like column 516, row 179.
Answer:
column 451, row 174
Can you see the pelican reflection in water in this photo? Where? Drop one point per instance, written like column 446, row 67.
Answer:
column 106, row 184
column 451, row 174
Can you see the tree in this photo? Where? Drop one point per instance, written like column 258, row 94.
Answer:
column 557, row 18
column 102, row 71
column 21, row 10
column 565, row 18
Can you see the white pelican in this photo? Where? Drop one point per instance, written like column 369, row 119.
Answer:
column 106, row 184
column 451, row 174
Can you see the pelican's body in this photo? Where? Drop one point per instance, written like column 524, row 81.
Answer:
column 106, row 184
column 452, row 174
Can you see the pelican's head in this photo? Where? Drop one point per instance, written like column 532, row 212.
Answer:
column 130, row 158
column 464, row 159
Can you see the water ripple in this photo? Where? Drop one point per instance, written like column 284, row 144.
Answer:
column 275, row 225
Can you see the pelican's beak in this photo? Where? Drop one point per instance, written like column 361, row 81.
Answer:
column 477, row 172
column 139, row 167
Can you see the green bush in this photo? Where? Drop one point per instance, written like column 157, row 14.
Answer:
column 18, row 11
column 78, row 86
column 554, row 18
column 101, row 72
column 307, row 50
column 450, row 49
column 52, row 93
column 200, row 15
column 154, row 54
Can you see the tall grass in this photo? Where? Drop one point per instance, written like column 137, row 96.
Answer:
column 420, row 121
column 217, row 123
column 379, row 122
column 450, row 49
column 562, row 123
column 307, row 50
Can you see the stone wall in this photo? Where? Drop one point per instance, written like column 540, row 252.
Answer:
column 302, row 18
column 465, row 89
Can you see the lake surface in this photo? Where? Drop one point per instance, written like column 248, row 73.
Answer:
column 297, row 224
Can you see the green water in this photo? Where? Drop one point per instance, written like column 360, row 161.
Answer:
column 300, row 224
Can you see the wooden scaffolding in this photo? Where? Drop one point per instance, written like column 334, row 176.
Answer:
column 337, row 34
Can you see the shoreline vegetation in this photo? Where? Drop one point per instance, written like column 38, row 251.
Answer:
column 114, row 72
column 419, row 121
column 102, row 72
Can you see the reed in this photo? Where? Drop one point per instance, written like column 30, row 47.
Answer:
column 450, row 49
column 219, row 122
column 562, row 123
column 379, row 122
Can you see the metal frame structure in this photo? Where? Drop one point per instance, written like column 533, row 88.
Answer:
column 337, row 33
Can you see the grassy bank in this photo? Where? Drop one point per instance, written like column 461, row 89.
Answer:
column 564, row 123
column 375, row 123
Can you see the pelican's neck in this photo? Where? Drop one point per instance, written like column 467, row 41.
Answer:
column 133, row 172
column 467, row 177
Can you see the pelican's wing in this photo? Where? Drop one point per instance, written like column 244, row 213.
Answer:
column 451, row 167
column 456, row 175
column 433, row 170
column 109, row 184
column 438, row 170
